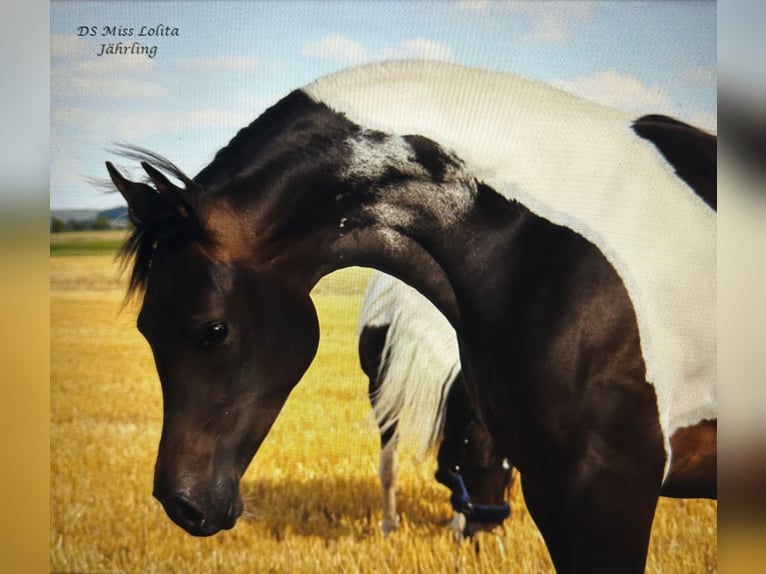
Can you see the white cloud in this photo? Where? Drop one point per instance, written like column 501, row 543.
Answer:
column 620, row 91
column 109, row 65
column 419, row 48
column 553, row 22
column 122, row 77
column 106, row 126
column 701, row 75
column 67, row 46
column 629, row 94
column 336, row 48
column 345, row 50
column 547, row 22
column 105, row 86
column 226, row 63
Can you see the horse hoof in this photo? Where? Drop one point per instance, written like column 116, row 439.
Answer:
column 457, row 526
column 388, row 525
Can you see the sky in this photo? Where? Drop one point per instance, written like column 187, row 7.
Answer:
column 211, row 67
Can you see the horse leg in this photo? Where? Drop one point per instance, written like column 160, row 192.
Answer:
column 600, row 523
column 387, row 472
column 371, row 347
column 452, row 450
column 595, row 502
column 546, row 512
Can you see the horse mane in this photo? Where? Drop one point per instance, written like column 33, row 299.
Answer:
column 138, row 250
column 255, row 142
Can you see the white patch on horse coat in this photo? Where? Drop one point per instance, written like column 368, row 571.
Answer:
column 424, row 360
column 372, row 155
column 577, row 164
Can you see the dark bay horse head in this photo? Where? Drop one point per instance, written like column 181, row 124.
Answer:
column 218, row 330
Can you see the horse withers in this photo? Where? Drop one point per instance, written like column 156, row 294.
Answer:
column 561, row 240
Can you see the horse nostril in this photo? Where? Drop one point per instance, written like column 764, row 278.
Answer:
column 189, row 512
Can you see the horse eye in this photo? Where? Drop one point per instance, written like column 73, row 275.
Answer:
column 214, row 334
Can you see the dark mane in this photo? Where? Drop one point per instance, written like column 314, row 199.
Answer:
column 295, row 125
column 137, row 251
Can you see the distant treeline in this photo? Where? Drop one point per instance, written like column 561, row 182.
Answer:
column 89, row 219
column 100, row 222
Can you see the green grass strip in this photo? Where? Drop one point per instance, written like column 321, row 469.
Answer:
column 85, row 248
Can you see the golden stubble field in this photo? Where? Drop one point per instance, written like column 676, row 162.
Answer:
column 312, row 492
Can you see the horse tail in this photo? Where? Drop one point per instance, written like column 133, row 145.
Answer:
column 418, row 366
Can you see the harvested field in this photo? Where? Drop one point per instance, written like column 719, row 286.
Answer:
column 312, row 493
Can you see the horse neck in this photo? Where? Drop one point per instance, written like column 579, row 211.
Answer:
column 450, row 259
column 400, row 204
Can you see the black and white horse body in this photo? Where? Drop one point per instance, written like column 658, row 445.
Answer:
column 581, row 166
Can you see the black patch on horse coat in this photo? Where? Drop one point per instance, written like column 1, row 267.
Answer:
column 691, row 152
column 430, row 156
column 372, row 342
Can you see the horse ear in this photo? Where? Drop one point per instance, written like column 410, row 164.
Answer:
column 165, row 188
column 162, row 208
column 136, row 194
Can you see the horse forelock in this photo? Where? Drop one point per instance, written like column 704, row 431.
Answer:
column 159, row 226
column 138, row 251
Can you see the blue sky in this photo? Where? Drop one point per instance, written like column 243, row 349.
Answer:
column 231, row 60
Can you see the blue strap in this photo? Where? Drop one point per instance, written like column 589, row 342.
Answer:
column 489, row 513
column 461, row 502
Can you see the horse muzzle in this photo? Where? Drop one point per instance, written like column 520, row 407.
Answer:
column 201, row 514
column 197, row 522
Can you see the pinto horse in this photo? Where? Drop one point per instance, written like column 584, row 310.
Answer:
column 571, row 247
column 409, row 352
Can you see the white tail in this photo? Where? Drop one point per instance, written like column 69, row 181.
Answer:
column 420, row 361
